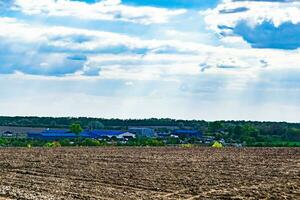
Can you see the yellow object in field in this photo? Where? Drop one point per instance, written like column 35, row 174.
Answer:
column 217, row 144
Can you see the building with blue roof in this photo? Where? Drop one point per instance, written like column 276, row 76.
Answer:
column 60, row 134
column 56, row 134
column 105, row 133
column 187, row 133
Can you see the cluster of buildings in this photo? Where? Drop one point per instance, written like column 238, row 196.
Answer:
column 60, row 134
column 50, row 134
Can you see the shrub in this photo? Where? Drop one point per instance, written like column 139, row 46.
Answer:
column 52, row 144
column 65, row 143
column 217, row 144
column 90, row 142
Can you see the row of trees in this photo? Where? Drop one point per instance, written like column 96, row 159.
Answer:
column 64, row 122
column 255, row 133
column 250, row 132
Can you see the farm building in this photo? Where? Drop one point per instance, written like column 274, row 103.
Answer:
column 16, row 132
column 50, row 134
column 187, row 133
column 110, row 133
column 126, row 135
column 8, row 134
column 163, row 135
column 142, row 132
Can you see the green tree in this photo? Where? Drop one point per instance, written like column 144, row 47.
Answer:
column 181, row 125
column 214, row 127
column 76, row 128
column 172, row 140
column 293, row 134
column 65, row 143
column 250, row 130
column 2, row 142
column 90, row 142
column 237, row 132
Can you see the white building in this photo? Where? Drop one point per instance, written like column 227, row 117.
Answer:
column 126, row 135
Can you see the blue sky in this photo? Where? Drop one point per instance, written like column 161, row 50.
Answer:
column 191, row 4
column 196, row 59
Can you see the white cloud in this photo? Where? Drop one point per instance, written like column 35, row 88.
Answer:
column 48, row 48
column 173, row 65
column 103, row 10
column 230, row 13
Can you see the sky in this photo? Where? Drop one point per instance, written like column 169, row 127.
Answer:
column 182, row 59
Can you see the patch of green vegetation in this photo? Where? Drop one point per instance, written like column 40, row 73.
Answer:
column 54, row 144
column 143, row 141
column 217, row 144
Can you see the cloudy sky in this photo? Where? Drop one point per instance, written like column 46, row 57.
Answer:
column 191, row 59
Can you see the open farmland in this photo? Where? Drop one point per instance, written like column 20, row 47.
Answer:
column 150, row 173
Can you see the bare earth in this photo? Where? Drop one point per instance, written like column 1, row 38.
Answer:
column 150, row 173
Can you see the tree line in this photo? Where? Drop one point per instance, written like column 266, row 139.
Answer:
column 250, row 132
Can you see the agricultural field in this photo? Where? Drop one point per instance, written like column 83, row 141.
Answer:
column 149, row 173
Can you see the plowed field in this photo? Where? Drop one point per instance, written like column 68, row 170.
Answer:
column 150, row 173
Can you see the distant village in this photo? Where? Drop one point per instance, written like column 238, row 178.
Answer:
column 54, row 134
column 37, row 131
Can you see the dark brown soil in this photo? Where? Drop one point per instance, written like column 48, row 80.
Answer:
column 150, row 173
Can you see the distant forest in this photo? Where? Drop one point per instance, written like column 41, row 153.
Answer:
column 248, row 131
